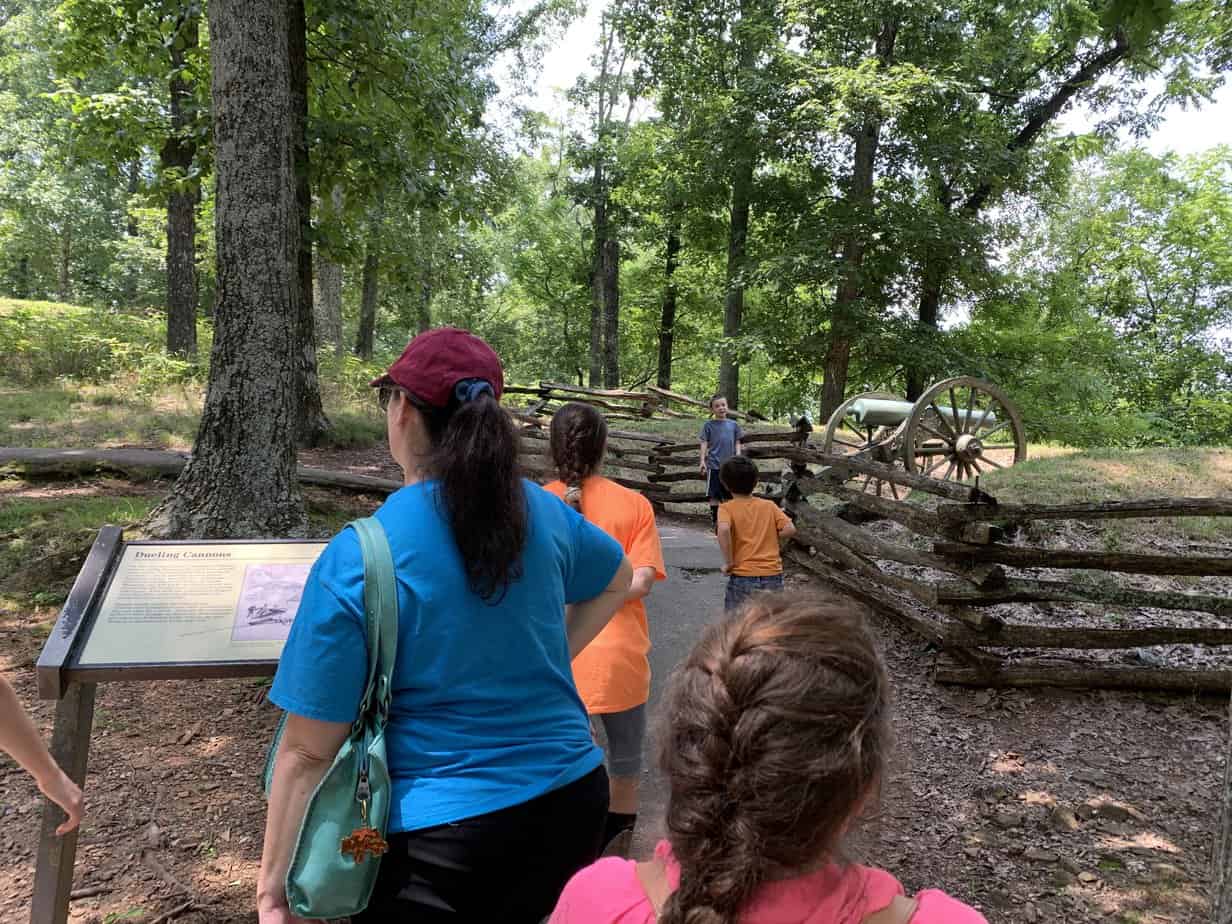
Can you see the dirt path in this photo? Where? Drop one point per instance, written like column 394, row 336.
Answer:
column 1037, row 806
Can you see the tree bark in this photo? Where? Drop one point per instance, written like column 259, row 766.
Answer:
column 1221, row 871
column 311, row 422
column 365, row 334
column 22, row 287
column 852, row 286
column 667, row 317
column 131, row 230
column 733, row 302
column 611, row 313
column 177, row 156
column 927, row 316
column 240, row 481
column 595, row 378
column 63, row 292
column 328, row 290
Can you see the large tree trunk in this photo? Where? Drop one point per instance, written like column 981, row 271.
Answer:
column 328, row 290
column 311, row 422
column 596, row 281
column 667, row 318
column 365, row 333
column 852, row 288
column 611, row 313
column 1221, row 872
column 177, row 156
column 22, row 286
column 240, row 481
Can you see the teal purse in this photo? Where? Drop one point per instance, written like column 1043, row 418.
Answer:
column 341, row 839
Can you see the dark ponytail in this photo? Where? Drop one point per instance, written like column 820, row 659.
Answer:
column 475, row 457
column 579, row 438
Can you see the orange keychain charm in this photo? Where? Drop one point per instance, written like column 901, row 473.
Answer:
column 364, row 841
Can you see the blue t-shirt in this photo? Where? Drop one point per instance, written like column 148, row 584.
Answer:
column 484, row 714
column 720, row 437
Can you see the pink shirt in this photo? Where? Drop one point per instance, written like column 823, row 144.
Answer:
column 608, row 892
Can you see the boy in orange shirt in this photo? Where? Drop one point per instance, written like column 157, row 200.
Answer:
column 750, row 530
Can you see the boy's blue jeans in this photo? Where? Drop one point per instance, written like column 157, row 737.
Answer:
column 740, row 588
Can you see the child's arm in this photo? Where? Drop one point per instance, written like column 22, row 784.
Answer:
column 643, row 581
column 20, row 738
column 724, row 533
column 787, row 531
column 702, row 464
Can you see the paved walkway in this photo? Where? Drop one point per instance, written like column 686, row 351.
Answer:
column 677, row 610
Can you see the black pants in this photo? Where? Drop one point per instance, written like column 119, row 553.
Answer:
column 506, row 866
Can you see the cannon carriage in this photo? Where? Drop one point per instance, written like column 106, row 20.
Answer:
column 959, row 429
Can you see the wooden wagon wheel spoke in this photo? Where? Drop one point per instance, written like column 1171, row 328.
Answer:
column 843, row 442
column 997, row 429
column 958, row 431
column 946, row 476
column 945, row 423
column 976, row 465
column 940, row 436
column 894, row 491
column 984, row 416
column 970, row 410
column 993, row 462
column 936, row 465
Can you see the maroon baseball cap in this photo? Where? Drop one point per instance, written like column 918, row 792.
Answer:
column 436, row 360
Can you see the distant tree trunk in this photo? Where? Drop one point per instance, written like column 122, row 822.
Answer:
column 64, row 293
column 328, row 291
column 131, row 230
column 177, row 155
column 1221, row 872
column 928, row 309
column 311, row 422
column 596, row 282
column 423, row 307
column 611, row 313
column 365, row 335
column 22, row 288
column 733, row 303
column 667, row 319
column 853, row 287
column 241, row 481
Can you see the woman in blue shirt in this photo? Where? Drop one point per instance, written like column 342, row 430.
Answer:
column 499, row 792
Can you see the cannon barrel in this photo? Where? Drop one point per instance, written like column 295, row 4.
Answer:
column 876, row 412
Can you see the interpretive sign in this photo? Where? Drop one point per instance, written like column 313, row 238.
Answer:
column 156, row 610
column 189, row 603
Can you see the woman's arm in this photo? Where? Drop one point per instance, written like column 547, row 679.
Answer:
column 20, row 738
column 585, row 620
column 643, row 582
column 306, row 751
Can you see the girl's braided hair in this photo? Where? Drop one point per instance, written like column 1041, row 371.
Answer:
column 578, row 439
column 778, row 733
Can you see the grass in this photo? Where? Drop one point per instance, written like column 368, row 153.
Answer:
column 1060, row 476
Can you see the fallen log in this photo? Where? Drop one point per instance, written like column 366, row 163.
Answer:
column 1085, row 677
column 1024, row 590
column 1126, row 562
column 968, row 494
column 597, row 392
column 914, row 518
column 1102, row 510
column 873, row 547
column 1016, row 635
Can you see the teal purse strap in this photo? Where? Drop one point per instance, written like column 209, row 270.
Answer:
column 381, row 610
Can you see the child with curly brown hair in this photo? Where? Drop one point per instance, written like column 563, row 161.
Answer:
column 776, row 739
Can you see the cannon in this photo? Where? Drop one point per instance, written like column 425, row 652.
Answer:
column 958, row 429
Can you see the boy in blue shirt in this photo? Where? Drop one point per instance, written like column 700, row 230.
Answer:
column 720, row 441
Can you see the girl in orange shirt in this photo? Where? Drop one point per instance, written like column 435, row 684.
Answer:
column 612, row 673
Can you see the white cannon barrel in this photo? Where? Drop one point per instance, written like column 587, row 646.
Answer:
column 878, row 412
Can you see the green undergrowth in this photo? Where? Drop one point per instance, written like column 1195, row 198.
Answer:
column 74, row 377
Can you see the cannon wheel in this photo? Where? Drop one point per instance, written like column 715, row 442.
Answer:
column 845, row 438
column 949, row 450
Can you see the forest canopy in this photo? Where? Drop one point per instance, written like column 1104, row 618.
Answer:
column 787, row 202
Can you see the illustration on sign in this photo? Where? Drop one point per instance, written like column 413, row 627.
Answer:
column 268, row 601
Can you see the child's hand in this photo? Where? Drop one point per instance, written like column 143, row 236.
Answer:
column 726, row 569
column 702, row 468
column 66, row 794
